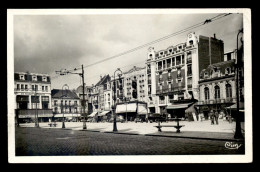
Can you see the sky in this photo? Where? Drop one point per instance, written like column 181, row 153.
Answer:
column 49, row 43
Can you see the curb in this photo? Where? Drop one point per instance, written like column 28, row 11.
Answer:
column 156, row 135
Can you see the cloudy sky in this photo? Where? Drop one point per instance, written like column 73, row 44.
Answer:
column 48, row 43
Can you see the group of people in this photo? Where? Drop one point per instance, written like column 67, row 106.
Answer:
column 214, row 115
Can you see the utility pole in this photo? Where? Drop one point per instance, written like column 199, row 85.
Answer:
column 84, row 101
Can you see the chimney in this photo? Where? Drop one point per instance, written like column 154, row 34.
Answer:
column 214, row 36
column 100, row 77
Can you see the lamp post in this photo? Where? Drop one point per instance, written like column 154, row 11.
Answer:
column 114, row 98
column 126, row 110
column 67, row 87
column 238, row 133
column 36, row 110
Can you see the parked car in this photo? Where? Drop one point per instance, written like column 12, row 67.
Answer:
column 155, row 117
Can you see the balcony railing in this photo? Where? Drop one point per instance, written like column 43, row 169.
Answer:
column 217, row 101
column 161, row 101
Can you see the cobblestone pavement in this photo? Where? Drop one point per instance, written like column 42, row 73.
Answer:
column 44, row 141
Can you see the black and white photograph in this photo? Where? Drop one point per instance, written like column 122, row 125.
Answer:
column 129, row 85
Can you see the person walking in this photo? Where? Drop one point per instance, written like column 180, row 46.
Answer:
column 211, row 115
column 216, row 115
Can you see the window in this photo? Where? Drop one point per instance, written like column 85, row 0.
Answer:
column 26, row 87
column 21, row 77
column 44, row 79
column 18, row 86
column 55, row 102
column 217, row 92
column 178, row 60
column 42, row 87
column 34, row 78
column 228, row 56
column 228, row 90
column 189, row 70
column 22, row 86
column 191, row 42
column 173, row 61
column 182, row 59
column 36, row 87
column 206, row 93
column 46, row 88
column 206, row 74
column 32, row 87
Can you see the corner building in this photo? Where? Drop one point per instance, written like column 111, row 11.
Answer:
column 33, row 97
column 173, row 73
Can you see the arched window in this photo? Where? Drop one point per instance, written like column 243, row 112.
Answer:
column 217, row 92
column 206, row 92
column 228, row 90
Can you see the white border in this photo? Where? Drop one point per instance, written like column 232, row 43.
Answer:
column 247, row 158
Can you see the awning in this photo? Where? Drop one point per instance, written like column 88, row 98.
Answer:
column 103, row 113
column 178, row 106
column 131, row 107
column 66, row 115
column 191, row 109
column 142, row 109
column 92, row 114
column 234, row 106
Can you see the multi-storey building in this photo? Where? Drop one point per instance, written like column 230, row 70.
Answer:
column 33, row 96
column 87, row 94
column 137, row 75
column 66, row 104
column 97, row 96
column 173, row 73
column 133, row 95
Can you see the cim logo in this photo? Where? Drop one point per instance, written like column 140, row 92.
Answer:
column 231, row 145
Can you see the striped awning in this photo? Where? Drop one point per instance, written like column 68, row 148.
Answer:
column 178, row 106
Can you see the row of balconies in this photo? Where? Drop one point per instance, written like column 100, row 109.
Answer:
column 173, row 67
column 68, row 105
column 26, row 89
column 170, row 89
column 217, row 101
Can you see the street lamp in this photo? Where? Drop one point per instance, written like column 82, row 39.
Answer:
column 238, row 133
column 36, row 110
column 67, row 87
column 126, row 108
column 114, row 98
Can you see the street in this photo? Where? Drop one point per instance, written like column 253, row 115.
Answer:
column 48, row 142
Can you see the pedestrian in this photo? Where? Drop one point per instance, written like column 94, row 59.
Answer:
column 211, row 115
column 216, row 115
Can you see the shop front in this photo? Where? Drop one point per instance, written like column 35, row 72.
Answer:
column 177, row 110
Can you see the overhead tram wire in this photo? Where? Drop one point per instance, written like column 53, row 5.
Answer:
column 156, row 41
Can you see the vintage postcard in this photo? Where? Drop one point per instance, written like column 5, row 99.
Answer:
column 129, row 86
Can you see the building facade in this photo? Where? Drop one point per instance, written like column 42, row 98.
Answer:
column 217, row 87
column 173, row 73
column 66, row 105
column 33, row 97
